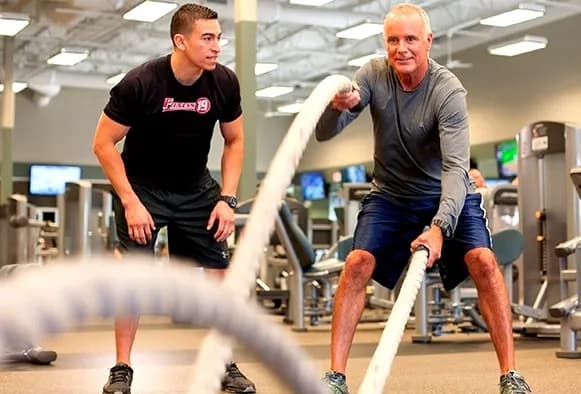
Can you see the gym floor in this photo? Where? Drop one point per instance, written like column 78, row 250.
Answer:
column 164, row 353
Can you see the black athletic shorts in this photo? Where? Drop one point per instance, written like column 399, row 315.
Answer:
column 186, row 216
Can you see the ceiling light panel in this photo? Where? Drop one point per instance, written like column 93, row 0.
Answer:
column 11, row 24
column 17, row 87
column 263, row 68
column 518, row 47
column 312, row 3
column 115, row 79
column 68, row 57
column 259, row 68
column 274, row 91
column 361, row 31
column 149, row 11
column 524, row 13
column 290, row 108
column 360, row 61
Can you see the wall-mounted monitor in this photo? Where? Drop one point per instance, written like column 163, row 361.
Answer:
column 507, row 159
column 354, row 174
column 492, row 182
column 313, row 185
column 50, row 179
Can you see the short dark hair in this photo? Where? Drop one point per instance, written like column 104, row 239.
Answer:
column 184, row 18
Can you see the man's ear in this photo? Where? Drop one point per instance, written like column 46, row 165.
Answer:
column 178, row 41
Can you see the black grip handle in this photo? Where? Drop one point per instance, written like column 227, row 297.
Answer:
column 422, row 247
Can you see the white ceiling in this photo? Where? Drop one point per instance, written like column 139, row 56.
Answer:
column 300, row 39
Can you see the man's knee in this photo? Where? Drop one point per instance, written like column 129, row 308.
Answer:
column 359, row 267
column 481, row 264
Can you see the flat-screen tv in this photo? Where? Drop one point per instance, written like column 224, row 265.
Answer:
column 507, row 159
column 492, row 182
column 353, row 174
column 50, row 179
column 313, row 185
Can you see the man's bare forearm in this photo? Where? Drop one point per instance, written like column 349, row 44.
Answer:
column 232, row 159
column 114, row 169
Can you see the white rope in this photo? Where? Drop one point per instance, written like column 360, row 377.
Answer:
column 380, row 366
column 215, row 351
column 61, row 296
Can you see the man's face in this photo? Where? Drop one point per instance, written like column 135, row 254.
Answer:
column 407, row 43
column 201, row 47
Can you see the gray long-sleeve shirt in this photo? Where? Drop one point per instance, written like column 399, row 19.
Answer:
column 422, row 146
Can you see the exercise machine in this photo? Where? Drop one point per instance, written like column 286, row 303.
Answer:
column 569, row 309
column 545, row 199
column 26, row 239
column 86, row 219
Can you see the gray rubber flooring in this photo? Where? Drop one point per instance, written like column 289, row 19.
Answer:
column 164, row 354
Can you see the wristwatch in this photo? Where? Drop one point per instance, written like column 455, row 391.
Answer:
column 230, row 200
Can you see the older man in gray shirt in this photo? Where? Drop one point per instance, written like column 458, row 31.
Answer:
column 420, row 178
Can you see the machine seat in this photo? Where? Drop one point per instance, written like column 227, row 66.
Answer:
column 324, row 268
column 507, row 245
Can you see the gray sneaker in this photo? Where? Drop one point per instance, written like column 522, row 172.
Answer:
column 234, row 381
column 120, row 378
column 513, row 383
column 335, row 382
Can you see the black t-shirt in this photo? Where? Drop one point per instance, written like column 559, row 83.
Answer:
column 171, row 125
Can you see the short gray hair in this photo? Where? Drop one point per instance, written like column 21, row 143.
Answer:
column 406, row 8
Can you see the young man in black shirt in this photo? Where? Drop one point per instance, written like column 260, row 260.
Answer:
column 166, row 110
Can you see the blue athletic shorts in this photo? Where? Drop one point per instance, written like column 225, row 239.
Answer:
column 386, row 226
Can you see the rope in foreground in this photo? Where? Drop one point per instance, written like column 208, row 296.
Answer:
column 61, row 296
column 216, row 351
column 380, row 365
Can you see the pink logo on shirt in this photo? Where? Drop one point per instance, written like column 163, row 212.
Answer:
column 201, row 105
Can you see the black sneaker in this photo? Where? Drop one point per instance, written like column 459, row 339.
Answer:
column 513, row 383
column 120, row 378
column 235, row 382
column 33, row 355
column 336, row 382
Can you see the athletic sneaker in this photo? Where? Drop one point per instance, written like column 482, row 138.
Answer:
column 120, row 378
column 513, row 383
column 33, row 355
column 336, row 382
column 234, row 381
